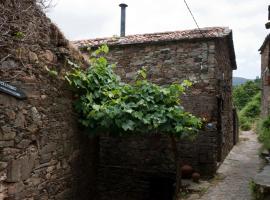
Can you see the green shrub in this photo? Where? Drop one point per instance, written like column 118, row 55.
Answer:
column 252, row 108
column 244, row 93
column 246, row 126
column 264, row 133
column 250, row 113
column 106, row 104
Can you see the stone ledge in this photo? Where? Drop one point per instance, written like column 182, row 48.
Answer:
column 263, row 178
column 262, row 184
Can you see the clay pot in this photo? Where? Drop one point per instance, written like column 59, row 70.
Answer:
column 196, row 177
column 186, row 171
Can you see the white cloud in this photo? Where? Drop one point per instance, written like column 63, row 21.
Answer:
column 82, row 19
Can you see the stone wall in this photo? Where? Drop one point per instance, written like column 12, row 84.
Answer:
column 207, row 64
column 174, row 62
column 42, row 153
column 224, row 78
column 145, row 166
column 265, row 75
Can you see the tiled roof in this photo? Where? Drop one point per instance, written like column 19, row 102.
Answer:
column 204, row 33
column 194, row 34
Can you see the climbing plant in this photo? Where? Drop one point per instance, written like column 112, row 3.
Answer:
column 106, row 104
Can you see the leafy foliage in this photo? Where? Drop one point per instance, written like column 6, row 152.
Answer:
column 242, row 94
column 247, row 99
column 106, row 104
column 250, row 113
column 264, row 133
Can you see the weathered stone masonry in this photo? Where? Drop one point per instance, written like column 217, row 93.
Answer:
column 265, row 76
column 206, row 60
column 43, row 154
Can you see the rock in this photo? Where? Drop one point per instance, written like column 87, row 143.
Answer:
column 8, row 64
column 21, row 169
column 193, row 197
column 6, row 144
column 198, row 187
column 261, row 184
column 48, row 56
column 13, row 172
column 131, row 75
column 36, row 116
column 3, row 165
column 265, row 153
column 20, row 120
column 50, row 147
column 33, row 181
column 50, row 168
column 24, row 144
column 11, row 114
column 15, row 188
column 27, row 165
column 33, row 128
column 263, row 178
column 33, row 58
column 43, row 97
column 7, row 133
column 44, row 158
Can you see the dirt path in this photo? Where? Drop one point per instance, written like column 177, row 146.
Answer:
column 239, row 167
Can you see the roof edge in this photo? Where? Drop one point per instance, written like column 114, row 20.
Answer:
column 267, row 38
column 157, row 38
column 232, row 51
column 191, row 34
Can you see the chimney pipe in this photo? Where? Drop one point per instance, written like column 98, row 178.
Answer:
column 123, row 19
column 267, row 25
column 269, row 13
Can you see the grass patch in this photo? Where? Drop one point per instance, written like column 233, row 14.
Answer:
column 250, row 113
column 263, row 129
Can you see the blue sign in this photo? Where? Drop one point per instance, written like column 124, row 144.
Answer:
column 12, row 90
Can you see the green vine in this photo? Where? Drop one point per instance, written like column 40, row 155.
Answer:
column 107, row 104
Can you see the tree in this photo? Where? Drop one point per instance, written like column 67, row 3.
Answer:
column 242, row 94
column 105, row 104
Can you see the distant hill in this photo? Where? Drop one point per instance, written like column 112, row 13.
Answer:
column 239, row 80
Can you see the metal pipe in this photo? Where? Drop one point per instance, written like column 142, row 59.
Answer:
column 267, row 25
column 123, row 19
column 269, row 12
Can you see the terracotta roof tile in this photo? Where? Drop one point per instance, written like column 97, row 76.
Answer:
column 213, row 32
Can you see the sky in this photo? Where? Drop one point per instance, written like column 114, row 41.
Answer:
column 88, row 19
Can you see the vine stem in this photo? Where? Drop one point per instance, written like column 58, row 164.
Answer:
column 178, row 164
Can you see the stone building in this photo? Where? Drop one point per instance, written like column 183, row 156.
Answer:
column 265, row 76
column 265, row 73
column 207, row 58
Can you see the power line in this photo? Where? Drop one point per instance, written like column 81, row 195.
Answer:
column 193, row 18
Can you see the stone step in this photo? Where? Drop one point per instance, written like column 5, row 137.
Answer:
column 262, row 182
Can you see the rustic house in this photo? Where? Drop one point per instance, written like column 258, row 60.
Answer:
column 265, row 73
column 206, row 57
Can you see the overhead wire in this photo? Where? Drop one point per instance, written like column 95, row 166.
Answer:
column 194, row 19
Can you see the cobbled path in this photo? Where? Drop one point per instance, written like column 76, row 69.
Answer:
column 238, row 169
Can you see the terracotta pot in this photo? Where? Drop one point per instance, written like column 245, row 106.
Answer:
column 196, row 177
column 186, row 171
